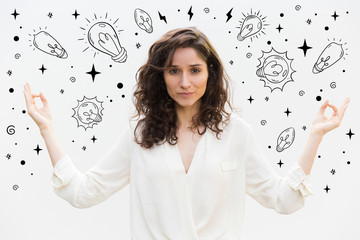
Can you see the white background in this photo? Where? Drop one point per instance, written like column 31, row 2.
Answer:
column 35, row 212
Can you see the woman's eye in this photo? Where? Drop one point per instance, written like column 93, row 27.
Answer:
column 173, row 71
column 195, row 70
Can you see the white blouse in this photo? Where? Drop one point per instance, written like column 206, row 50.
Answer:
column 168, row 203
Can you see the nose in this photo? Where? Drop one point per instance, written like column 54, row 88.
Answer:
column 185, row 81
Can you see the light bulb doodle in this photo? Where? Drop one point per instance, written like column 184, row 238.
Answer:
column 252, row 25
column 88, row 112
column 332, row 53
column 143, row 20
column 275, row 69
column 48, row 44
column 285, row 139
column 103, row 37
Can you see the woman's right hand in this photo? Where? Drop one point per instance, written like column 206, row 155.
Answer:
column 41, row 116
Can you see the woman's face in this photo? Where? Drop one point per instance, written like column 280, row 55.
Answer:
column 186, row 78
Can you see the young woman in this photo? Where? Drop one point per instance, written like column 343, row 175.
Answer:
column 189, row 162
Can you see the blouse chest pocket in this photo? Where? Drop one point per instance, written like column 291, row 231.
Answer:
column 227, row 166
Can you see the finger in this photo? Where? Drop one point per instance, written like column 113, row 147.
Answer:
column 323, row 107
column 343, row 108
column 335, row 109
column 43, row 99
column 26, row 100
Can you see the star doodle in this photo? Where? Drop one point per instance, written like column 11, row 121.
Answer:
column 350, row 133
column 280, row 163
column 37, row 149
column 93, row 72
column 250, row 99
column 15, row 14
column 287, row 112
column 75, row 14
column 42, row 69
column 327, row 189
column 93, row 139
column 279, row 28
column 335, row 15
column 304, row 47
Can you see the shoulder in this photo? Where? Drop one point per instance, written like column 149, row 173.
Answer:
column 238, row 123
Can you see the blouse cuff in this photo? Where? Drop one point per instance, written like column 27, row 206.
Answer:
column 63, row 171
column 299, row 181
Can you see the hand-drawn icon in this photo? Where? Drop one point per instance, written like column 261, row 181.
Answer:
column 143, row 20
column 263, row 122
column 285, row 139
column 297, row 7
column 333, row 84
column 332, row 53
column 72, row 79
column 301, row 93
column 206, row 10
column 88, row 112
column 228, row 14
column 10, row 130
column 248, row 55
column 103, row 37
column 251, row 26
column 162, row 17
column 190, row 13
column 15, row 187
column 48, row 44
column 275, row 69
column 17, row 56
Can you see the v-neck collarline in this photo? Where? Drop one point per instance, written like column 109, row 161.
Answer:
column 177, row 161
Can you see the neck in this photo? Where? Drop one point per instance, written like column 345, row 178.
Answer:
column 185, row 115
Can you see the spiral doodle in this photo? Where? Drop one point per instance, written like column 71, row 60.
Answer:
column 206, row 10
column 10, row 130
column 297, row 7
column 72, row 79
column 15, row 187
column 17, row 56
column 263, row 122
column 333, row 85
column 248, row 55
column 301, row 93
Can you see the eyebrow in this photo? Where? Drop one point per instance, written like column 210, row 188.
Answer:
column 193, row 65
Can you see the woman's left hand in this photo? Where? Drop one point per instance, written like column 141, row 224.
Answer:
column 321, row 124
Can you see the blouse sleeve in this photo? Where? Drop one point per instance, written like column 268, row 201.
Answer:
column 283, row 194
column 110, row 174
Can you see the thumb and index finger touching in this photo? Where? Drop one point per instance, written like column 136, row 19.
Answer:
column 29, row 97
column 339, row 112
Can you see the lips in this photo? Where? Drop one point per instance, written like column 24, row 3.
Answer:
column 186, row 94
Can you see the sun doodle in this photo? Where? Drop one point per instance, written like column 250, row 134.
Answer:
column 88, row 112
column 275, row 69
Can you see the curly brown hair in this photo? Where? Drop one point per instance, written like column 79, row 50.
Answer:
column 157, row 108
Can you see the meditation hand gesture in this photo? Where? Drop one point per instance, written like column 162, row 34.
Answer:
column 321, row 124
column 41, row 116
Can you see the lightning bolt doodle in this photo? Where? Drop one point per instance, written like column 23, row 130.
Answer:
column 190, row 13
column 229, row 15
column 162, row 17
